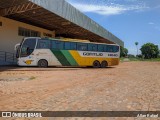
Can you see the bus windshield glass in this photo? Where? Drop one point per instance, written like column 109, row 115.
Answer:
column 28, row 47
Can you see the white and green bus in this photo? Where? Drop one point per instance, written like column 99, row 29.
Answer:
column 44, row 52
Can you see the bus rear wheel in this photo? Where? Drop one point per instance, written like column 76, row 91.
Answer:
column 96, row 64
column 43, row 64
column 104, row 64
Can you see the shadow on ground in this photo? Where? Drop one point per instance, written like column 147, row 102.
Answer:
column 51, row 68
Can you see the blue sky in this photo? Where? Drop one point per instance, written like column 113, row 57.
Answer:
column 130, row 20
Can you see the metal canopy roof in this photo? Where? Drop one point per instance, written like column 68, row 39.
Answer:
column 57, row 15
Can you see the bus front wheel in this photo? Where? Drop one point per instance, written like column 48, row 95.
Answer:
column 96, row 64
column 104, row 64
column 42, row 63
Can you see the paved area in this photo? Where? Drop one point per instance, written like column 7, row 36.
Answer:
column 131, row 86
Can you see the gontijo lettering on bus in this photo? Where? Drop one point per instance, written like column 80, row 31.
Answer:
column 92, row 54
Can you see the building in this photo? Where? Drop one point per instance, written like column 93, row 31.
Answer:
column 47, row 18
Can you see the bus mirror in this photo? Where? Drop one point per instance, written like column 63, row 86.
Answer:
column 16, row 46
column 17, row 49
column 17, row 55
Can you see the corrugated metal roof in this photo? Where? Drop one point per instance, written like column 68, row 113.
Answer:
column 58, row 16
column 68, row 12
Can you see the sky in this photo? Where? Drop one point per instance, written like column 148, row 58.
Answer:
column 130, row 20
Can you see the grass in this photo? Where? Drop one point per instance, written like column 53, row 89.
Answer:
column 32, row 78
column 153, row 59
column 139, row 59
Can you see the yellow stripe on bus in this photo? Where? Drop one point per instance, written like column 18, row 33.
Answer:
column 88, row 61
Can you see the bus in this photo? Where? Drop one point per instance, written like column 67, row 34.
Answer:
column 44, row 52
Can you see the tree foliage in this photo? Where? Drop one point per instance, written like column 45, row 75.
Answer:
column 131, row 56
column 149, row 50
column 124, row 52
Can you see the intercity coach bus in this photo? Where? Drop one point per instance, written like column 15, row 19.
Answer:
column 44, row 52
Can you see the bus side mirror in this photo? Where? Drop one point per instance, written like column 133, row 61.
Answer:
column 17, row 49
column 17, row 52
column 17, row 55
column 16, row 46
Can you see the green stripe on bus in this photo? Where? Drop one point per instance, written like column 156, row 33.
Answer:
column 69, row 57
column 62, row 59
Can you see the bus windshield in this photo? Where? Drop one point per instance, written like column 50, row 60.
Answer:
column 28, row 47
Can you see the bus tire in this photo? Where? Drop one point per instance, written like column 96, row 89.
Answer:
column 96, row 64
column 43, row 63
column 104, row 64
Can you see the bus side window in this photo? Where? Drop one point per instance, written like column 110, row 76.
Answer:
column 70, row 46
column 101, row 48
column 73, row 46
column 57, row 45
column 116, row 49
column 92, row 47
column 53, row 44
column 109, row 48
column 43, row 44
column 67, row 45
column 82, row 46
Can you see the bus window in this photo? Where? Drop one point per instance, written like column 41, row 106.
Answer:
column 82, row 46
column 116, row 49
column 73, row 46
column 28, row 47
column 109, row 48
column 70, row 46
column 101, row 48
column 92, row 47
column 57, row 45
column 67, row 46
column 43, row 44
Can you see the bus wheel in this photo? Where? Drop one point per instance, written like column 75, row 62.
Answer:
column 104, row 64
column 42, row 63
column 96, row 64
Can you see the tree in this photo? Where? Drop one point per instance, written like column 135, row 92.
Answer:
column 136, row 43
column 149, row 50
column 123, row 52
column 131, row 56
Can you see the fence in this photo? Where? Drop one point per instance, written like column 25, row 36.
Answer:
column 7, row 57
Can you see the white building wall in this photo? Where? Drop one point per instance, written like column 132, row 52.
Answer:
column 9, row 33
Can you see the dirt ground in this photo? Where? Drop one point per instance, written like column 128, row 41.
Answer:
column 130, row 86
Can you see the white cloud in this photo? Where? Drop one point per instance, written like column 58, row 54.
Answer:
column 108, row 9
column 151, row 23
column 104, row 10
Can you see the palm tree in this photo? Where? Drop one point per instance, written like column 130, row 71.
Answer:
column 136, row 43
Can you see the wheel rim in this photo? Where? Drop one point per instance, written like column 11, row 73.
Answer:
column 104, row 64
column 96, row 64
column 43, row 63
